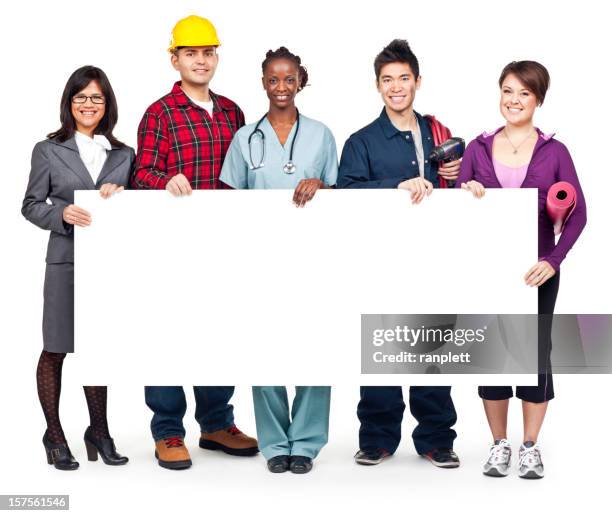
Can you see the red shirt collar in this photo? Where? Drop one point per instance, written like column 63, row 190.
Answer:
column 183, row 100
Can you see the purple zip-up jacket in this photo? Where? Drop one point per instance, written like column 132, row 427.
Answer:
column 551, row 162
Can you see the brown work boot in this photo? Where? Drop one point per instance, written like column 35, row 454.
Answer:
column 231, row 441
column 172, row 454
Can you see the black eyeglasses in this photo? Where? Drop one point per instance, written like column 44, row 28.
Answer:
column 95, row 99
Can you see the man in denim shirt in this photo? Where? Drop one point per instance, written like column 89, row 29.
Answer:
column 392, row 152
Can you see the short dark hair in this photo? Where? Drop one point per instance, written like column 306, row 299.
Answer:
column 532, row 75
column 285, row 53
column 175, row 50
column 78, row 81
column 398, row 51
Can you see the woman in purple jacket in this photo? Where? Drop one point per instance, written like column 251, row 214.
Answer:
column 519, row 155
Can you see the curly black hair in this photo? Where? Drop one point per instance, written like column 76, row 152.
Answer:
column 285, row 53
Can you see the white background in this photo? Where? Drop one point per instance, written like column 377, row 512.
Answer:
column 462, row 47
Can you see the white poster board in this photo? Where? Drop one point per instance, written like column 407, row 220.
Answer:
column 242, row 287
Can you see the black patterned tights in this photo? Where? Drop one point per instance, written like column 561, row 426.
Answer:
column 96, row 404
column 49, row 384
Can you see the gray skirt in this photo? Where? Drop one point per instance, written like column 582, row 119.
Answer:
column 58, row 309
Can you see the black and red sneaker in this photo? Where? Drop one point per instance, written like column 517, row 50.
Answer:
column 371, row 457
column 443, row 458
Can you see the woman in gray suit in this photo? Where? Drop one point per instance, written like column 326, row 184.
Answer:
column 82, row 155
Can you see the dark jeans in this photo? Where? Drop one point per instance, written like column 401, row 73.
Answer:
column 381, row 409
column 544, row 391
column 213, row 411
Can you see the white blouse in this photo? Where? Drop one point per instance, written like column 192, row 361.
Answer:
column 92, row 152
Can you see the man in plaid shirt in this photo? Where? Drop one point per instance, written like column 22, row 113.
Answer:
column 182, row 141
column 182, row 144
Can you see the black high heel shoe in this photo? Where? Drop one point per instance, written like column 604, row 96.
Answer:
column 104, row 447
column 59, row 455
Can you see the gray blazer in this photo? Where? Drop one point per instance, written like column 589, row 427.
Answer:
column 57, row 171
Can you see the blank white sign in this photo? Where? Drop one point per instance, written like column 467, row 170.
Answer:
column 242, row 287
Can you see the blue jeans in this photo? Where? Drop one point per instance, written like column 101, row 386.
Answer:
column 381, row 409
column 213, row 411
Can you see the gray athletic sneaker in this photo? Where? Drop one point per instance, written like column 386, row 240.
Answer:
column 498, row 463
column 530, row 461
column 371, row 457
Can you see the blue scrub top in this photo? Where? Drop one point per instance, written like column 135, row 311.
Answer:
column 314, row 156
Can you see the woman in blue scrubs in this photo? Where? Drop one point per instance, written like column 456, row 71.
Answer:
column 286, row 150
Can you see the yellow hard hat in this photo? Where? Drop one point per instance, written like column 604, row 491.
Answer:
column 193, row 31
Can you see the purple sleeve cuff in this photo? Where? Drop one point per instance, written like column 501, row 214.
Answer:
column 555, row 262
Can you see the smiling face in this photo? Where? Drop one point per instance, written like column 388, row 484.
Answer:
column 281, row 81
column 517, row 104
column 196, row 65
column 397, row 86
column 87, row 115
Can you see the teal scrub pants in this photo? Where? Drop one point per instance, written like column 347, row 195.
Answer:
column 305, row 434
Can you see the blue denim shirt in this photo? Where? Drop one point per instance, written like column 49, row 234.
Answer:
column 382, row 156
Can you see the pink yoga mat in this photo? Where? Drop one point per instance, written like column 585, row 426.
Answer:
column 560, row 203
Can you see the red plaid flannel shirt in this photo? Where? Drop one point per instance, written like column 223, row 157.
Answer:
column 176, row 136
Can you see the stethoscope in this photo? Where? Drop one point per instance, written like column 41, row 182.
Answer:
column 289, row 167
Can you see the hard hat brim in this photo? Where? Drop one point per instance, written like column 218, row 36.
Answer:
column 172, row 48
